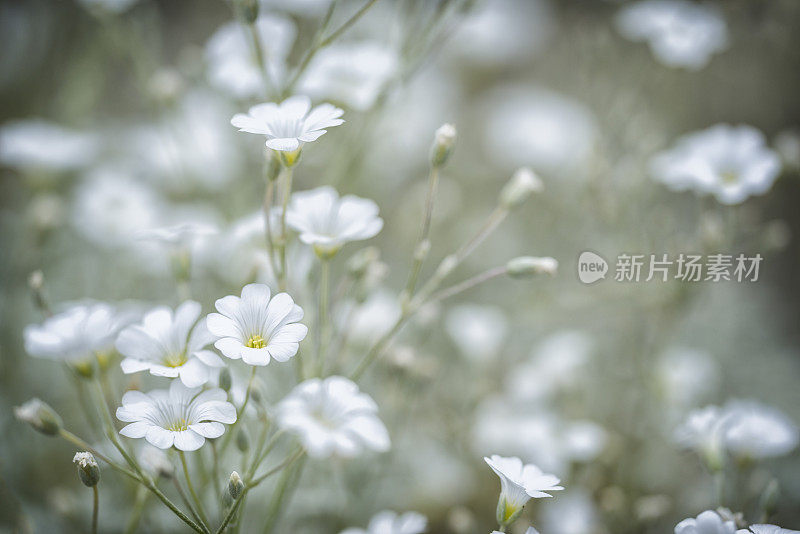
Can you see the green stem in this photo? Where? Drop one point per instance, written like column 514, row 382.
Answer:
column 281, row 491
column 269, row 193
column 349, row 22
column 261, row 61
column 215, row 470
column 469, row 283
column 239, row 412
column 419, row 249
column 197, row 502
column 95, row 508
column 287, row 192
column 188, row 503
column 489, row 226
column 378, row 348
column 324, row 295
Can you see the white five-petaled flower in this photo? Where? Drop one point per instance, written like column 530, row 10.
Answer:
column 766, row 529
column 729, row 162
column 181, row 417
column 708, row 522
column 256, row 328
column 289, row 124
column 327, row 222
column 169, row 344
column 518, row 484
column 76, row 335
column 332, row 417
column 388, row 522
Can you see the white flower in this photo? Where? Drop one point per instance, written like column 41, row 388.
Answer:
column 169, row 344
column 232, row 66
column 518, row 484
column 76, row 335
column 708, row 522
column 756, row 431
column 730, row 162
column 180, row 235
column 181, row 416
column 680, row 33
column 42, row 145
column 289, row 124
column 686, row 375
column 388, row 522
column 703, row 431
column 112, row 6
column 84, row 459
column 332, row 417
column 351, row 73
column 256, row 328
column 766, row 529
column 478, row 331
column 327, row 222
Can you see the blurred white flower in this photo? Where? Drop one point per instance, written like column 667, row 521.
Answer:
column 181, row 416
column 289, row 124
column 112, row 6
column 40, row 145
column 169, row 344
column 680, row 33
column 730, row 162
column 327, row 222
column 374, row 317
column 183, row 234
column 155, row 461
column 708, row 522
column 388, row 522
column 685, row 376
column 111, row 208
column 584, row 440
column 351, row 73
column 766, row 529
column 572, row 513
column 518, row 484
column 478, row 331
column 231, row 60
column 537, row 128
column 754, row 430
column 703, row 432
column 77, row 335
column 332, row 417
column 257, row 328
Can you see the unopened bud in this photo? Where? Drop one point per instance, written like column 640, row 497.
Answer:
column 225, row 379
column 446, row 267
column 443, row 143
column 359, row 262
column 247, row 10
column 242, row 440
column 235, row 485
column 519, row 188
column 40, row 416
column 422, row 249
column 87, row 468
column 525, row 266
column 257, row 391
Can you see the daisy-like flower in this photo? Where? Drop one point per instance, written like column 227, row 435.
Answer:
column 181, row 417
column 766, row 529
column 289, row 124
column 332, row 417
column 518, row 484
column 257, row 328
column 77, row 335
column 169, row 344
column 729, row 162
column 388, row 522
column 326, row 222
column 708, row 522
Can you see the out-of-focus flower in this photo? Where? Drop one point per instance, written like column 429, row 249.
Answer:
column 326, row 222
column 169, row 344
column 232, row 65
column 374, row 317
column 40, row 145
column 708, row 522
column 332, row 417
column 518, row 484
column 111, row 208
column 584, row 440
column 388, row 522
column 478, row 331
column 40, row 416
column 155, row 461
column 680, row 33
column 289, row 124
column 572, row 513
column 77, row 335
column 111, row 6
column 730, row 162
column 351, row 73
column 538, row 128
column 757, row 431
column 180, row 235
column 703, row 431
column 523, row 183
column 686, row 375
column 181, row 417
column 257, row 328
column 766, row 529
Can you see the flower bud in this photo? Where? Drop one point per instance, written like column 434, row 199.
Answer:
column 522, row 185
column 235, row 485
column 526, row 266
column 359, row 262
column 446, row 267
column 87, row 468
column 40, row 416
column 225, row 379
column 443, row 142
column 242, row 440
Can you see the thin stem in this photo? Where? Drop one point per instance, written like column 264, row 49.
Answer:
column 95, row 508
column 378, row 348
column 197, row 502
column 269, row 193
column 312, row 51
column 489, row 226
column 287, row 192
column 81, row 444
column 420, row 251
column 349, row 22
column 469, row 283
column 324, row 295
column 286, row 463
column 138, row 508
column 239, row 412
column 188, row 503
column 262, row 456
column 258, row 52
column 283, row 489
column 215, row 470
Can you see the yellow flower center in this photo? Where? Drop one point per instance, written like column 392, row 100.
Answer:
column 256, row 342
column 175, row 360
column 179, row 426
column 729, row 177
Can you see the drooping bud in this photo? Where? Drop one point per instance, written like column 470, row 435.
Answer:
column 235, row 485
column 519, row 188
column 40, row 416
column 88, row 469
column 225, row 379
column 444, row 140
column 526, row 266
column 242, row 440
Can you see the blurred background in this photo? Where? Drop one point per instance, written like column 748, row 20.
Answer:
column 114, row 119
